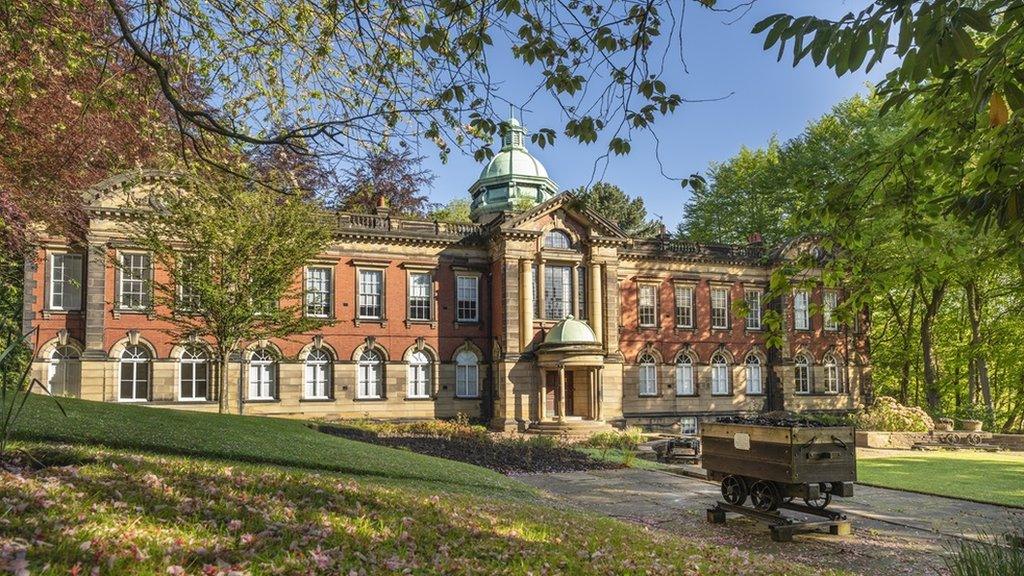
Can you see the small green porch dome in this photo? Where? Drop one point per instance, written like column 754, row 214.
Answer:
column 571, row 331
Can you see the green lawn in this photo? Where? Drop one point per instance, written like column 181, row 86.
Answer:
column 620, row 457
column 248, row 439
column 163, row 492
column 988, row 477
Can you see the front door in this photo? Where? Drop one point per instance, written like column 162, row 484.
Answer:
column 551, row 394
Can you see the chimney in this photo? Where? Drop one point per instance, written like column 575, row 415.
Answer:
column 382, row 205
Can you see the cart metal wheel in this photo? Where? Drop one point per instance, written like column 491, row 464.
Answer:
column 974, row 439
column 824, row 497
column 734, row 490
column 765, row 495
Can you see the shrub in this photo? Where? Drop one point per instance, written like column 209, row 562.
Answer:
column 971, row 558
column 888, row 415
column 627, row 439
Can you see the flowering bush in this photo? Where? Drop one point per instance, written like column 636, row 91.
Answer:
column 888, row 415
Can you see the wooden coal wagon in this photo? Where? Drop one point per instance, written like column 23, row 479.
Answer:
column 772, row 465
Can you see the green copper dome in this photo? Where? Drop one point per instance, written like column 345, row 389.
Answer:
column 512, row 174
column 571, row 331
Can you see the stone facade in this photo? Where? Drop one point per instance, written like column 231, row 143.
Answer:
column 499, row 366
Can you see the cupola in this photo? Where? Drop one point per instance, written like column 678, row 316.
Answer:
column 512, row 173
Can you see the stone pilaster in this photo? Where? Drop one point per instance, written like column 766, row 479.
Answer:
column 95, row 300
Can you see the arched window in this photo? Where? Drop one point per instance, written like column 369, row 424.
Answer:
column 194, row 379
column 135, row 363
column 420, row 375
column 648, row 375
column 318, row 375
column 802, row 374
column 467, row 375
column 754, row 375
column 832, row 383
column 719, row 375
column 64, row 374
column 558, row 240
column 684, row 376
column 371, row 375
column 262, row 375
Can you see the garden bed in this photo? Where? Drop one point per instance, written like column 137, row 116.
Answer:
column 473, row 445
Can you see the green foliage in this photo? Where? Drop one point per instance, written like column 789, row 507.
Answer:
column 888, row 415
column 239, row 251
column 630, row 438
column 627, row 212
column 523, row 203
column 448, row 429
column 968, row 557
column 454, row 212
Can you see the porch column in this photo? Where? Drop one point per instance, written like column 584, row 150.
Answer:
column 542, row 394
column 561, row 391
column 600, row 394
column 525, row 304
column 592, row 382
column 596, row 311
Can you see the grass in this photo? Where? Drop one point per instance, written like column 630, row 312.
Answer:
column 249, row 439
column 620, row 456
column 149, row 491
column 127, row 513
column 992, row 477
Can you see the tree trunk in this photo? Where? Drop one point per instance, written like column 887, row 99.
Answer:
column 974, row 313
column 931, row 380
column 222, row 381
column 905, row 327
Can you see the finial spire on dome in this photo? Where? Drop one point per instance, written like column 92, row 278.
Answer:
column 513, row 136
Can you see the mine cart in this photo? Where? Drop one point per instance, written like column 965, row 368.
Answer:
column 773, row 463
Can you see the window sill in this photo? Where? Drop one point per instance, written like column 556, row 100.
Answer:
column 467, row 397
column 721, row 329
column 757, row 394
column 48, row 312
column 649, row 395
column 379, row 399
column 467, row 322
column 730, row 395
column 687, row 395
column 261, row 400
column 320, row 316
column 418, row 399
column 194, row 401
column 689, row 328
column 317, row 400
column 147, row 312
column 132, row 401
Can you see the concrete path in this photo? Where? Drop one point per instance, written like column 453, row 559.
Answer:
column 894, row 532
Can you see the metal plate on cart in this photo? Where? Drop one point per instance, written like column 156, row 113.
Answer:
column 741, row 441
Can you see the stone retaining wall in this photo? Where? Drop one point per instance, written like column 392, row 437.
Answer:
column 906, row 440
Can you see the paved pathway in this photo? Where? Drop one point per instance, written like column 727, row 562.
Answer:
column 894, row 532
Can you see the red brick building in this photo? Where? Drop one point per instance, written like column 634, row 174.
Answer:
column 432, row 319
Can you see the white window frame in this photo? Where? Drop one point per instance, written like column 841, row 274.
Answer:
column 65, row 364
column 365, row 297
column 719, row 309
column 684, row 305
column 684, row 376
column 647, row 305
column 140, row 286
column 720, row 385
column 802, row 370
column 319, row 292
column 317, row 375
column 412, row 293
column 754, row 374
column 833, row 380
column 141, row 362
column 688, row 426
column 753, row 298
column 647, row 375
column 188, row 300
column 467, row 298
column 194, row 357
column 467, row 375
column 801, row 310
column 63, row 283
column 262, row 375
column 371, row 375
column 420, row 375
column 829, row 303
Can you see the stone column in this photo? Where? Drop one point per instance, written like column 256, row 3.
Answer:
column 525, row 304
column 542, row 313
column 542, row 395
column 596, row 311
column 561, row 392
column 575, row 296
column 95, row 299
column 592, row 383
column 600, row 394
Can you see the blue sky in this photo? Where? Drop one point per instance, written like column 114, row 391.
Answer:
column 768, row 97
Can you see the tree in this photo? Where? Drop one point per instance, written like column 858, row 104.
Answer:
column 455, row 212
column 367, row 73
column 230, row 256
column 613, row 203
column 395, row 177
